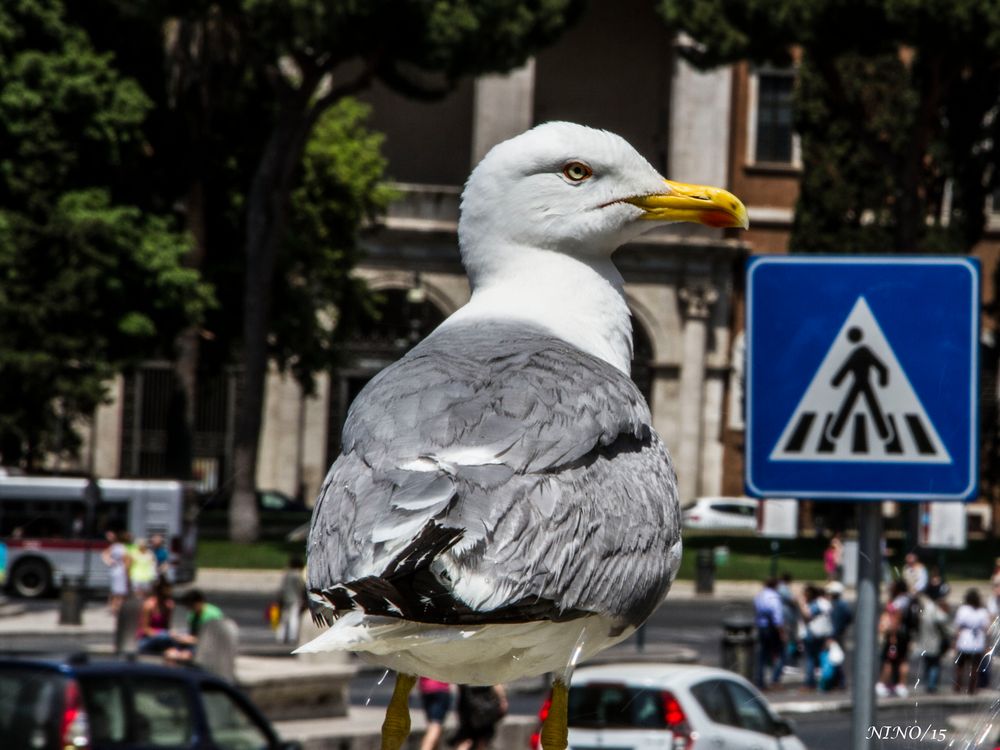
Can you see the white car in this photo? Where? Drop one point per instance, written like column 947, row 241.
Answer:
column 722, row 513
column 671, row 707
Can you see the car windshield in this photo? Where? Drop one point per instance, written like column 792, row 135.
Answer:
column 29, row 699
column 615, row 707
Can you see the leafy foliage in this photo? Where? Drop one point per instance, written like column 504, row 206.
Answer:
column 897, row 99
column 898, row 110
column 87, row 282
column 253, row 134
column 342, row 185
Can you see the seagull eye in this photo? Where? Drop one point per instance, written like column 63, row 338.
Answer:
column 577, row 171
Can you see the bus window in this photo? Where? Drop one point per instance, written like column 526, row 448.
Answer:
column 31, row 518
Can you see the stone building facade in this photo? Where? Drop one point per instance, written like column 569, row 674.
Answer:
column 618, row 68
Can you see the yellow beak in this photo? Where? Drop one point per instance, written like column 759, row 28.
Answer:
column 714, row 207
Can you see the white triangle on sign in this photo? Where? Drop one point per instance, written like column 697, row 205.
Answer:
column 860, row 406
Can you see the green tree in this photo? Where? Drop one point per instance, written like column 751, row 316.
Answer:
column 314, row 55
column 896, row 107
column 341, row 185
column 88, row 282
column 898, row 110
column 255, row 77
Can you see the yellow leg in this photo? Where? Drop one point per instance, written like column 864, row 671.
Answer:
column 396, row 727
column 555, row 733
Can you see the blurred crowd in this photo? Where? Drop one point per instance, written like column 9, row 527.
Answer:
column 806, row 626
column 919, row 619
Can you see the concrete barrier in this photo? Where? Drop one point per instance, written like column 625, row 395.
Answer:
column 286, row 688
column 361, row 730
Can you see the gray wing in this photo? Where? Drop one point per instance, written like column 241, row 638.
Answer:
column 498, row 475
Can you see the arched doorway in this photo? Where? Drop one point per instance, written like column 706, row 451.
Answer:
column 642, row 360
column 403, row 318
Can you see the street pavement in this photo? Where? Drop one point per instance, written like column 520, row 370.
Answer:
column 686, row 629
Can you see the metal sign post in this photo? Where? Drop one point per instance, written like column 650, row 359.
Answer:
column 866, row 611
column 862, row 384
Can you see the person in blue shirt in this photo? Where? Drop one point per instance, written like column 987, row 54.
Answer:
column 769, row 621
column 790, row 615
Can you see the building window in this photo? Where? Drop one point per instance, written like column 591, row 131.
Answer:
column 772, row 139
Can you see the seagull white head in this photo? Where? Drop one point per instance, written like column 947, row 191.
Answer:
column 542, row 214
column 579, row 191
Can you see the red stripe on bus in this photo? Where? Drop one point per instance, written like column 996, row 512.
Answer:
column 54, row 544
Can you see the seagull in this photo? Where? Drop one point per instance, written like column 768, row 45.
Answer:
column 503, row 507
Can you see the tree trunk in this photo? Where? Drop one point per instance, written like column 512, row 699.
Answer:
column 186, row 345
column 266, row 219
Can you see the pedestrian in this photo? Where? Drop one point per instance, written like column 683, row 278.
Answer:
column 791, row 619
column 937, row 587
column 155, row 618
column 993, row 600
column 831, row 665
column 161, row 554
column 894, row 627
column 143, row 569
column 292, row 600
column 995, row 575
column 841, row 618
column 480, row 709
column 993, row 635
column 933, row 639
column 769, row 621
column 815, row 608
column 886, row 555
column 833, row 559
column 200, row 612
column 116, row 558
column 914, row 574
column 436, row 698
column 971, row 623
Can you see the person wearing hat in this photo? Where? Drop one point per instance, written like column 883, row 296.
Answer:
column 200, row 611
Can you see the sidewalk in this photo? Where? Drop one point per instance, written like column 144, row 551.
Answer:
column 362, row 724
column 235, row 579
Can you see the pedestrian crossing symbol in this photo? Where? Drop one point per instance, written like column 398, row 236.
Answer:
column 861, row 379
column 860, row 405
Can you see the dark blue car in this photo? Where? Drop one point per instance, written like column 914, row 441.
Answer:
column 84, row 704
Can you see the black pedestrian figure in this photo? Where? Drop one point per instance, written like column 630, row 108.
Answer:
column 860, row 365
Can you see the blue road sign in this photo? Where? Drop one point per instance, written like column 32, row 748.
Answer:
column 862, row 377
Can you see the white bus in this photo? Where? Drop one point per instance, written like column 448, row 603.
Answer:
column 44, row 523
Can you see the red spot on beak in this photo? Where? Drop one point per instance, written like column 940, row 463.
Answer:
column 717, row 219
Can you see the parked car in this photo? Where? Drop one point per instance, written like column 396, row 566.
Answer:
column 52, row 704
column 267, row 500
column 670, row 707
column 721, row 513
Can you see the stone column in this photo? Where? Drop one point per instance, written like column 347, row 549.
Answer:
column 316, row 414
column 504, row 107
column 697, row 300
column 278, row 464
column 107, row 433
column 699, row 122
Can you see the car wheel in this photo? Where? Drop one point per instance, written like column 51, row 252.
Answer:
column 31, row 578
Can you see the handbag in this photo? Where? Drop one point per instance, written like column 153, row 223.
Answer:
column 272, row 615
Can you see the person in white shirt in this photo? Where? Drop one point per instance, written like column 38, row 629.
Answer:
column 971, row 623
column 915, row 574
